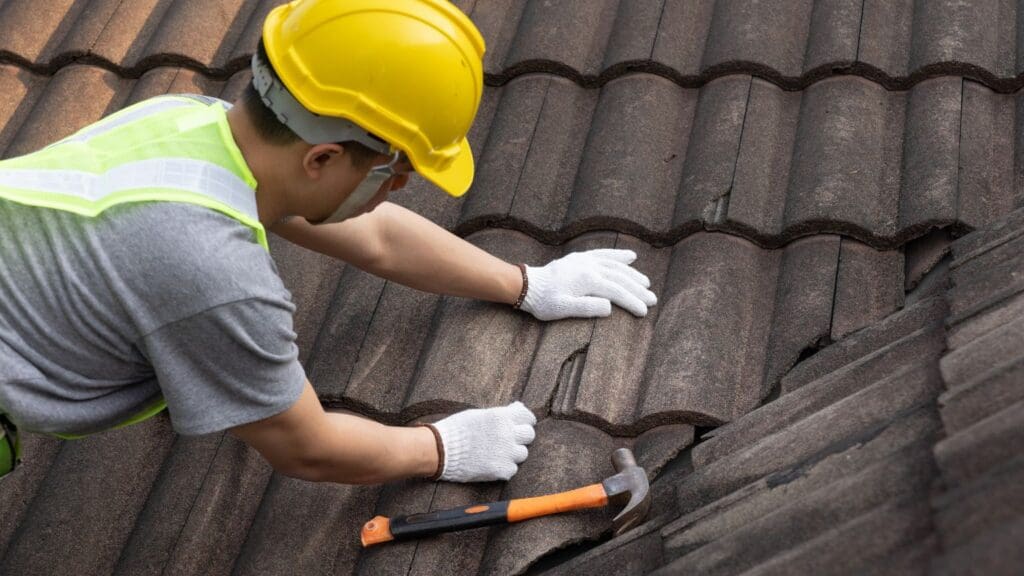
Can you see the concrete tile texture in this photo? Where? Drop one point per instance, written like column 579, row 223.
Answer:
column 787, row 172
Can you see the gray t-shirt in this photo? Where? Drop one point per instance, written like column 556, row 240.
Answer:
column 99, row 316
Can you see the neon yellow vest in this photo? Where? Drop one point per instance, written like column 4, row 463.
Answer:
column 166, row 149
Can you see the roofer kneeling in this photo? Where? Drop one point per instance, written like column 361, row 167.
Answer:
column 134, row 269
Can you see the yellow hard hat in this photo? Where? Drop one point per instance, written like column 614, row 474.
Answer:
column 409, row 72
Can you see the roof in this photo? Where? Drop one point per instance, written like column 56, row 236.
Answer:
column 800, row 181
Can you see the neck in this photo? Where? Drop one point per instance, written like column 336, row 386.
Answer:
column 264, row 161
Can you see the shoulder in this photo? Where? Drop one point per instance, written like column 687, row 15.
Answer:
column 182, row 258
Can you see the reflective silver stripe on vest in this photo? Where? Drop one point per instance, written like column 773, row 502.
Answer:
column 202, row 178
column 141, row 112
column 158, row 105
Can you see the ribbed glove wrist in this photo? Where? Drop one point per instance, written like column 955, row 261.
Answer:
column 485, row 444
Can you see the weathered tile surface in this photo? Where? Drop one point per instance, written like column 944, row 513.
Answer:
column 784, row 170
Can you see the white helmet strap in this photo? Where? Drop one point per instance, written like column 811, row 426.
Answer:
column 312, row 128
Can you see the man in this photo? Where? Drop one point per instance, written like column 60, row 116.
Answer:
column 133, row 257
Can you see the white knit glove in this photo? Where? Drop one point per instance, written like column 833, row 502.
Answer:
column 585, row 284
column 485, row 444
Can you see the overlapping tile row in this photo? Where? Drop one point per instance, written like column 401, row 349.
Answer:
column 145, row 501
column 215, row 37
column 980, row 512
column 832, row 477
column 85, row 504
column 792, row 44
column 645, row 157
column 732, row 319
column 39, row 110
column 565, row 455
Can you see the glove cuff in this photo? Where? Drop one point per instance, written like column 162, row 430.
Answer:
column 526, row 286
column 440, row 452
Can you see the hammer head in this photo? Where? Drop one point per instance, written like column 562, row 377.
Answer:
column 629, row 486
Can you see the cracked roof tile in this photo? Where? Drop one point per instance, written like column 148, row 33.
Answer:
column 768, row 163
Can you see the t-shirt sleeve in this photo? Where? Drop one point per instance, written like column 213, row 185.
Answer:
column 229, row 365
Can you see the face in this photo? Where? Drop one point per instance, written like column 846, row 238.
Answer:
column 344, row 191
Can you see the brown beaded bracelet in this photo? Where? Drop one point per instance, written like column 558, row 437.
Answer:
column 440, row 451
column 526, row 285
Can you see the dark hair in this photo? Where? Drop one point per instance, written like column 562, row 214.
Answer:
column 273, row 131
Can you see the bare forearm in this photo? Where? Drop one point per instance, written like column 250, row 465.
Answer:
column 307, row 442
column 399, row 245
column 360, row 451
column 420, row 254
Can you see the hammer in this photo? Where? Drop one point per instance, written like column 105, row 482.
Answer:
column 629, row 485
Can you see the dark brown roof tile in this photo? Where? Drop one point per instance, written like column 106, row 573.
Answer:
column 628, row 554
column 197, row 30
column 534, row 143
column 569, row 34
column 925, row 315
column 352, row 300
column 893, row 538
column 85, row 508
column 805, row 402
column 312, row 279
column 306, row 528
column 803, row 319
column 973, row 452
column 845, row 161
column 34, row 36
column 983, row 396
column 635, row 31
column 382, row 373
column 931, row 152
column 74, row 97
column 208, row 487
column 775, row 492
column 659, row 446
column 633, row 158
column 20, row 486
column 985, row 281
column 975, row 507
column 708, row 176
column 21, row 89
column 867, row 415
column 565, row 455
column 610, row 387
column 757, row 196
column 707, row 355
column 773, row 35
column 744, row 544
column 996, row 552
column 1001, row 345
column 869, row 287
column 681, row 35
column 987, row 130
column 910, row 38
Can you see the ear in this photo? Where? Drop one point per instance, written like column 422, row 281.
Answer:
column 318, row 157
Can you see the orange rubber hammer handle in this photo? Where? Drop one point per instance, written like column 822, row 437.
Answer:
column 592, row 496
column 382, row 529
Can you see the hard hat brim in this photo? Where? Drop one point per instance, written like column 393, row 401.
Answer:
column 456, row 179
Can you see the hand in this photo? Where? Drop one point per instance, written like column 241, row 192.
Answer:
column 485, row 444
column 585, row 284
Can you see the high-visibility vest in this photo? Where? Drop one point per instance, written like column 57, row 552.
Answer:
column 165, row 149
